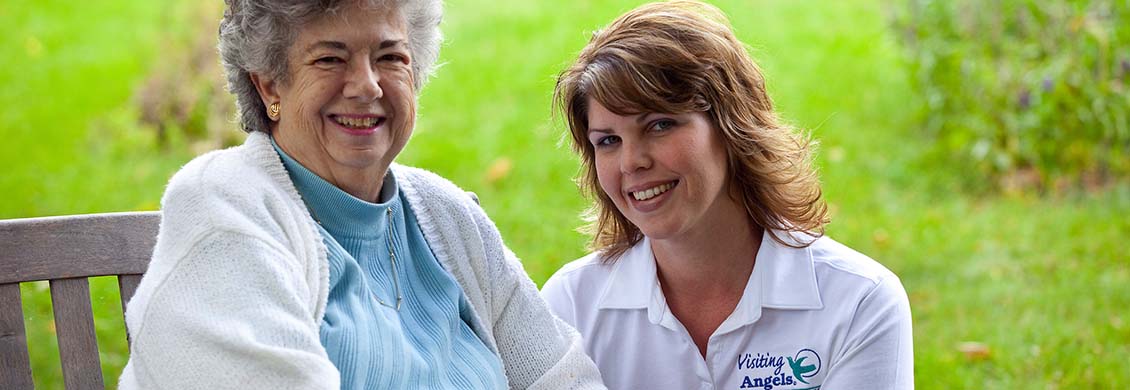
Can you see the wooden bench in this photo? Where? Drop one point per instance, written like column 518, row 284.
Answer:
column 66, row 251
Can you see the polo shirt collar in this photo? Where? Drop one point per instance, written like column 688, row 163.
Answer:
column 783, row 278
column 633, row 283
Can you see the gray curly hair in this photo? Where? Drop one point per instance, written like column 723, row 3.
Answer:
column 255, row 34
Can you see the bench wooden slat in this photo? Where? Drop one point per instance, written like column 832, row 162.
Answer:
column 15, row 371
column 74, row 326
column 49, row 248
column 127, row 285
column 66, row 250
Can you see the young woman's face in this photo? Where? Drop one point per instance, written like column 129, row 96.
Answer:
column 349, row 102
column 667, row 173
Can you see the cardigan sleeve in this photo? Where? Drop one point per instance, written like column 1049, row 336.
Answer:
column 228, row 313
column 549, row 351
column 538, row 350
column 559, row 297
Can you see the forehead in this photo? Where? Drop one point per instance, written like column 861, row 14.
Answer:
column 354, row 23
column 599, row 115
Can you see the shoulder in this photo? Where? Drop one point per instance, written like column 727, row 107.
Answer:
column 456, row 229
column 220, row 172
column 230, row 171
column 441, row 207
column 833, row 257
column 872, row 304
column 578, row 284
column 238, row 188
column 584, row 270
column 846, row 274
column 426, row 185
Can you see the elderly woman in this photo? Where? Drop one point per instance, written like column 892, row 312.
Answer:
column 711, row 269
column 307, row 259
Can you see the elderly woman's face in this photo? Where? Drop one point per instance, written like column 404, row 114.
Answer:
column 349, row 106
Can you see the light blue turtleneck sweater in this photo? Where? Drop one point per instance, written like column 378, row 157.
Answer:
column 428, row 343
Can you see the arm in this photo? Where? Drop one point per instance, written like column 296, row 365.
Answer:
column 559, row 298
column 231, row 312
column 879, row 353
column 539, row 351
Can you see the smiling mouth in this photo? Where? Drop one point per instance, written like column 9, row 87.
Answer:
column 653, row 191
column 358, row 123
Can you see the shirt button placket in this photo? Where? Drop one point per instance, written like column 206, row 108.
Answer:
column 702, row 368
column 711, row 352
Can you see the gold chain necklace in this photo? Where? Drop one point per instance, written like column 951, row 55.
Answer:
column 391, row 257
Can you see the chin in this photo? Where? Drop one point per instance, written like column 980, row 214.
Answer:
column 655, row 231
column 657, row 236
column 358, row 158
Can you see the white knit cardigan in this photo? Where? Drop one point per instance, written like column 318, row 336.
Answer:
column 237, row 287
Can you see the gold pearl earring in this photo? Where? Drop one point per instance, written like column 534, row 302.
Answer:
column 273, row 111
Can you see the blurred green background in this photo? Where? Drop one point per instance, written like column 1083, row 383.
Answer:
column 1017, row 272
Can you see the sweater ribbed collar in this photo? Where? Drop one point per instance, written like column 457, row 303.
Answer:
column 342, row 214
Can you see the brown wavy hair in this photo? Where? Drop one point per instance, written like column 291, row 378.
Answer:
column 678, row 57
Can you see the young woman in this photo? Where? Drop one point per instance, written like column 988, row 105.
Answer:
column 710, row 268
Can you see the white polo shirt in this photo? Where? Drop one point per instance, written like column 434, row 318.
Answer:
column 824, row 316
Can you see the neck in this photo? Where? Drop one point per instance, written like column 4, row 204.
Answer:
column 362, row 183
column 712, row 262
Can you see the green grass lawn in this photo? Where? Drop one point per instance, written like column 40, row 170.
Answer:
column 1041, row 282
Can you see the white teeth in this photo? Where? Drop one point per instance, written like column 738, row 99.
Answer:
column 652, row 192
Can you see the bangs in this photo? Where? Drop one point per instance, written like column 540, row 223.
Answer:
column 626, row 86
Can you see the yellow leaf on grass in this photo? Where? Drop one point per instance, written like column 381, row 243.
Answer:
column 498, row 169
column 881, row 237
column 974, row 351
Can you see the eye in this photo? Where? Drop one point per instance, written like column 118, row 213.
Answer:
column 662, row 125
column 607, row 140
column 393, row 58
column 329, row 60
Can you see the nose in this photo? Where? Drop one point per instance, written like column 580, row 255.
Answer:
column 634, row 157
column 362, row 81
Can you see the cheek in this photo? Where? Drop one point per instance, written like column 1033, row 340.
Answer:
column 712, row 167
column 402, row 99
column 398, row 91
column 606, row 175
column 397, row 81
column 704, row 153
column 308, row 98
column 720, row 159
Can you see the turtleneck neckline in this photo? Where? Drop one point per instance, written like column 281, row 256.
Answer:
column 342, row 214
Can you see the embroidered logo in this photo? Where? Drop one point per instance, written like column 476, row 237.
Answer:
column 780, row 370
column 801, row 368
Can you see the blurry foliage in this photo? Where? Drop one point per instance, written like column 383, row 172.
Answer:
column 184, row 96
column 1030, row 94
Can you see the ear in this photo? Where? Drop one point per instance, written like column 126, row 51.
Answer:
column 268, row 89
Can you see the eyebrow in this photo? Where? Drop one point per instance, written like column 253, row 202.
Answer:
column 639, row 119
column 336, row 45
column 390, row 43
column 326, row 44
